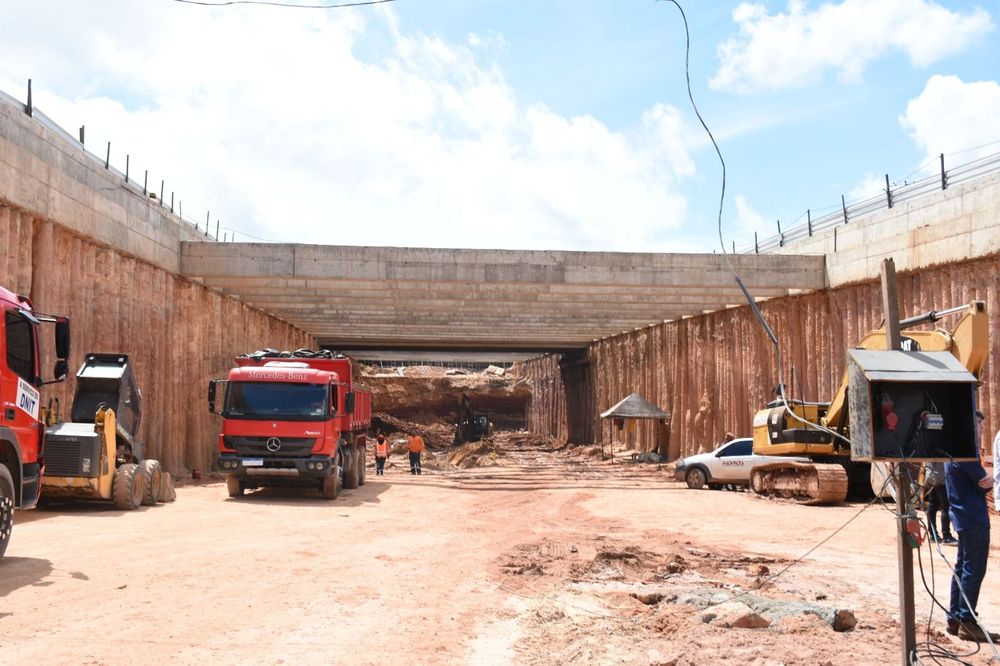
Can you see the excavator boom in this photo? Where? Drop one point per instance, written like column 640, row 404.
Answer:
column 969, row 342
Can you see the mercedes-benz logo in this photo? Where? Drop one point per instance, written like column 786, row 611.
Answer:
column 273, row 444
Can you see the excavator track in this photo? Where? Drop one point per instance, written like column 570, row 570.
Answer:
column 807, row 483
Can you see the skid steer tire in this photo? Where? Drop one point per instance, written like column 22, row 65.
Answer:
column 351, row 471
column 330, row 485
column 6, row 507
column 167, row 492
column 152, row 479
column 127, row 488
column 234, row 487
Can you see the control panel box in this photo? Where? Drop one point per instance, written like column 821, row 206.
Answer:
column 915, row 406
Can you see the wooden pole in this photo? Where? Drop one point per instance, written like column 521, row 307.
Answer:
column 602, row 440
column 890, row 304
column 904, row 506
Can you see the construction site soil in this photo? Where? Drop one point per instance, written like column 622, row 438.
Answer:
column 510, row 550
column 428, row 394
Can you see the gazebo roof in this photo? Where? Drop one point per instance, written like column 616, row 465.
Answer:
column 636, row 407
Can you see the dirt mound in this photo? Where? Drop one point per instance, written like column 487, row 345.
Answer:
column 629, row 596
column 503, row 399
column 474, row 454
column 436, row 432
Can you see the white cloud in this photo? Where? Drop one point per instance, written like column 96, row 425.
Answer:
column 339, row 127
column 749, row 220
column 795, row 48
column 952, row 116
column 869, row 186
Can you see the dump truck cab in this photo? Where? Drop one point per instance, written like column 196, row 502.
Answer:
column 291, row 421
column 22, row 416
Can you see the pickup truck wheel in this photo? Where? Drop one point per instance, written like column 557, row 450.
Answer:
column 152, row 478
column 127, row 487
column 330, row 485
column 234, row 487
column 695, row 478
column 351, row 471
column 6, row 507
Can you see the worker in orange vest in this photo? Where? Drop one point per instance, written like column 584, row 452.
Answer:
column 416, row 447
column 381, row 454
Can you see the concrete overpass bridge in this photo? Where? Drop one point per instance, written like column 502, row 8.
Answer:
column 370, row 298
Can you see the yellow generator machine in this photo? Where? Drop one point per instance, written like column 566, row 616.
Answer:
column 97, row 455
column 819, row 431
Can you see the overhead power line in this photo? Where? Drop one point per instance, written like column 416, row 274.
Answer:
column 226, row 3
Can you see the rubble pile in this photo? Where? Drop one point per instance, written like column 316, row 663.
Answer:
column 474, row 454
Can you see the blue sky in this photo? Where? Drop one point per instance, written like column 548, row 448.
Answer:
column 494, row 123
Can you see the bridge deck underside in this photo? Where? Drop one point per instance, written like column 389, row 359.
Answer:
column 351, row 297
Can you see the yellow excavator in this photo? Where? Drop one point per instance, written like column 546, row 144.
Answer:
column 820, row 430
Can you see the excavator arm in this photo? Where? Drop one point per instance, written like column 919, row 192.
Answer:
column 969, row 342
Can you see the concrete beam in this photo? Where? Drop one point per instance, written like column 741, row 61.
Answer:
column 383, row 297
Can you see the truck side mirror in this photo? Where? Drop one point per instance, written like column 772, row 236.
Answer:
column 211, row 396
column 62, row 340
column 61, row 370
column 349, row 402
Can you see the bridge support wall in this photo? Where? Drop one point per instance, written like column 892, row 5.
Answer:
column 712, row 372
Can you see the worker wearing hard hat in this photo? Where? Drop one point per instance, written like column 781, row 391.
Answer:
column 416, row 447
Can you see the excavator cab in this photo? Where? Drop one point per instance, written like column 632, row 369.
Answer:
column 470, row 426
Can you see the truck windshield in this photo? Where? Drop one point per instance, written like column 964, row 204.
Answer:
column 266, row 400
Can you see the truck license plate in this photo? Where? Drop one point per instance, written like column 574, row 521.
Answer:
column 253, row 462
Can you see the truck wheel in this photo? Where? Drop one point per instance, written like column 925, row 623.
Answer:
column 330, row 485
column 362, row 463
column 127, row 487
column 234, row 486
column 351, row 472
column 152, row 479
column 6, row 507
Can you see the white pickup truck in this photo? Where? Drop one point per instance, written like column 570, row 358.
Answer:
column 730, row 464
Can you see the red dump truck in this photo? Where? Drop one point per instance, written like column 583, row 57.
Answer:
column 22, row 418
column 292, row 419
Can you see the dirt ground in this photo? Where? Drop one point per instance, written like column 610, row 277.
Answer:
column 529, row 556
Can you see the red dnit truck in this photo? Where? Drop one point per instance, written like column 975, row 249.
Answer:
column 22, row 427
column 292, row 419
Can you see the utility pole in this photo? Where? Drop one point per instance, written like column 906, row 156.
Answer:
column 904, row 506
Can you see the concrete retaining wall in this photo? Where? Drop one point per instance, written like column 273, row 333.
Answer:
column 178, row 333
column 47, row 173
column 943, row 227
column 714, row 371
column 81, row 242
